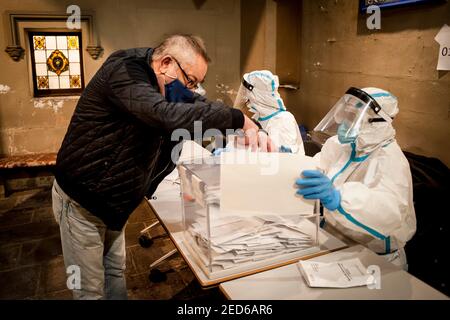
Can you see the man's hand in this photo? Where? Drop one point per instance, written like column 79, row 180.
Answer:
column 265, row 143
column 254, row 138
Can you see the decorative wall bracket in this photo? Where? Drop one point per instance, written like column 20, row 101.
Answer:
column 94, row 51
column 16, row 52
column 15, row 49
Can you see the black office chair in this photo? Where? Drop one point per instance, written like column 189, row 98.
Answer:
column 427, row 251
column 312, row 141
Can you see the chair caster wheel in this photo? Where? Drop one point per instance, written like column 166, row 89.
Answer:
column 157, row 276
column 145, row 241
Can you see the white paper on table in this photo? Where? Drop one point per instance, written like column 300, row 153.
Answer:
column 263, row 183
column 340, row 274
column 443, row 38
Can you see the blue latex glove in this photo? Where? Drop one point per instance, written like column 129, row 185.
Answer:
column 316, row 185
column 284, row 149
column 218, row 151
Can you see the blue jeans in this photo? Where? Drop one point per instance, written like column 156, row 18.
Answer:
column 89, row 246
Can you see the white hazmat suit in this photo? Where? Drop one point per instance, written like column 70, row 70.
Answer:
column 374, row 180
column 259, row 93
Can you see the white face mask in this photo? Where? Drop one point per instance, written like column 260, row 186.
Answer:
column 253, row 110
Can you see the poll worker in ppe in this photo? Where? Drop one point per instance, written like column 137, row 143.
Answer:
column 364, row 181
column 259, row 93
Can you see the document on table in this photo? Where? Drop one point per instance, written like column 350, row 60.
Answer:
column 263, row 183
column 340, row 274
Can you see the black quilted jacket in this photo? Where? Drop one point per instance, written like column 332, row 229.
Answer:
column 118, row 146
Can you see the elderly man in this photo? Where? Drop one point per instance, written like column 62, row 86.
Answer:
column 118, row 148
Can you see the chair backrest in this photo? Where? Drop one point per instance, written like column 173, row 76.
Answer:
column 427, row 251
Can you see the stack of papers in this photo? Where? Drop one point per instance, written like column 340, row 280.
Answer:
column 237, row 240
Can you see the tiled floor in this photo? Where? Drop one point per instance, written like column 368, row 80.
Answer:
column 32, row 267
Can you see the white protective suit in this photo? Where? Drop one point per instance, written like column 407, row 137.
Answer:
column 375, row 183
column 259, row 93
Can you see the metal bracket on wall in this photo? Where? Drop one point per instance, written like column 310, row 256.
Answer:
column 13, row 18
column 289, row 86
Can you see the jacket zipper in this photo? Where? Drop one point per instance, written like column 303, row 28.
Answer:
column 167, row 165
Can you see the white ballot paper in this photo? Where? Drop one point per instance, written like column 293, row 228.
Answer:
column 443, row 38
column 258, row 183
column 239, row 240
column 339, row 274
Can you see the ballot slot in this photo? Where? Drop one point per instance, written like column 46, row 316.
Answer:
column 225, row 243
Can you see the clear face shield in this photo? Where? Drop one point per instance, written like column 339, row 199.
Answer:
column 350, row 114
column 242, row 100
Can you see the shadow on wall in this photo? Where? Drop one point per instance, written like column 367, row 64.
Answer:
column 198, row 3
column 252, row 13
column 413, row 17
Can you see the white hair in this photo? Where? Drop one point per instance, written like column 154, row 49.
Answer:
column 182, row 47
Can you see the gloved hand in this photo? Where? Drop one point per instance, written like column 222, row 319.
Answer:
column 218, row 151
column 316, row 185
column 284, row 149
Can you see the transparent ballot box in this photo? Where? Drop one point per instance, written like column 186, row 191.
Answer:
column 230, row 243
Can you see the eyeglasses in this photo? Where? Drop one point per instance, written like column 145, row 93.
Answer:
column 190, row 84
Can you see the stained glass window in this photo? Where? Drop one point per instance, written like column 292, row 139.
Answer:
column 57, row 63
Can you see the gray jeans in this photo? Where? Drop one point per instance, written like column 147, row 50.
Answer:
column 97, row 252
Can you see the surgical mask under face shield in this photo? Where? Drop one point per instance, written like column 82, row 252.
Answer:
column 252, row 110
column 350, row 114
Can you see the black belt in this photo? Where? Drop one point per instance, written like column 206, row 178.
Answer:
column 386, row 253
